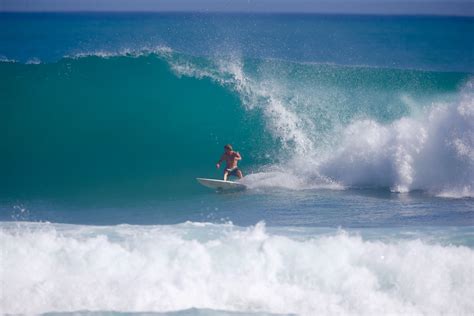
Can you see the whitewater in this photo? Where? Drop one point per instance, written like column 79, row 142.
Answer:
column 225, row 267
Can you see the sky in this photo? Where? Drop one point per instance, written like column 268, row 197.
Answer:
column 436, row 7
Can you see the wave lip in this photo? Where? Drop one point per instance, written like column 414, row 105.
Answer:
column 4, row 59
column 160, row 50
column 223, row 267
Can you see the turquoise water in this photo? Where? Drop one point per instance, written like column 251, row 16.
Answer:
column 357, row 137
column 124, row 123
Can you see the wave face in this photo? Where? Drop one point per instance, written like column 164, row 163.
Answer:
column 136, row 121
column 223, row 267
column 116, row 123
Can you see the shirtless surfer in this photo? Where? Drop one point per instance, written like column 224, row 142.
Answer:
column 231, row 158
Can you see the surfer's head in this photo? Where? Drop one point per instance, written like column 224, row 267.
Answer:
column 228, row 147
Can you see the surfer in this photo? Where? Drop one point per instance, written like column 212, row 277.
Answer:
column 231, row 158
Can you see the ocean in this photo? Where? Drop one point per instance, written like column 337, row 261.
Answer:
column 357, row 138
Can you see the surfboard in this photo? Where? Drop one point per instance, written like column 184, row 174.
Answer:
column 221, row 185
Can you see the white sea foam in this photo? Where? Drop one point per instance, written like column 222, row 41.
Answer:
column 160, row 50
column 56, row 267
column 433, row 151
column 277, row 176
column 5, row 59
column 33, row 61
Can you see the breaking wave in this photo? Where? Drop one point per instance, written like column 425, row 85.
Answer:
column 223, row 267
column 383, row 133
column 318, row 125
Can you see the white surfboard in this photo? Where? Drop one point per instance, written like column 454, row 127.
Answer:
column 221, row 185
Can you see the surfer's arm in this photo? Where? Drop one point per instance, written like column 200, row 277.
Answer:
column 218, row 164
column 238, row 156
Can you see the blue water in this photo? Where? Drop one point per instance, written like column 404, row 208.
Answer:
column 357, row 137
column 441, row 43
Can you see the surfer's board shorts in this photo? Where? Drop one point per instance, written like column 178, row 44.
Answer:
column 232, row 171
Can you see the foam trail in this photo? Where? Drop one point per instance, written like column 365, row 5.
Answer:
column 167, row 268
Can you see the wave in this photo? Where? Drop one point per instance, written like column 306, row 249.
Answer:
column 335, row 142
column 124, row 268
column 319, row 125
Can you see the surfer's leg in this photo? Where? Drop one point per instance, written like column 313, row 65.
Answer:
column 225, row 175
column 239, row 173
